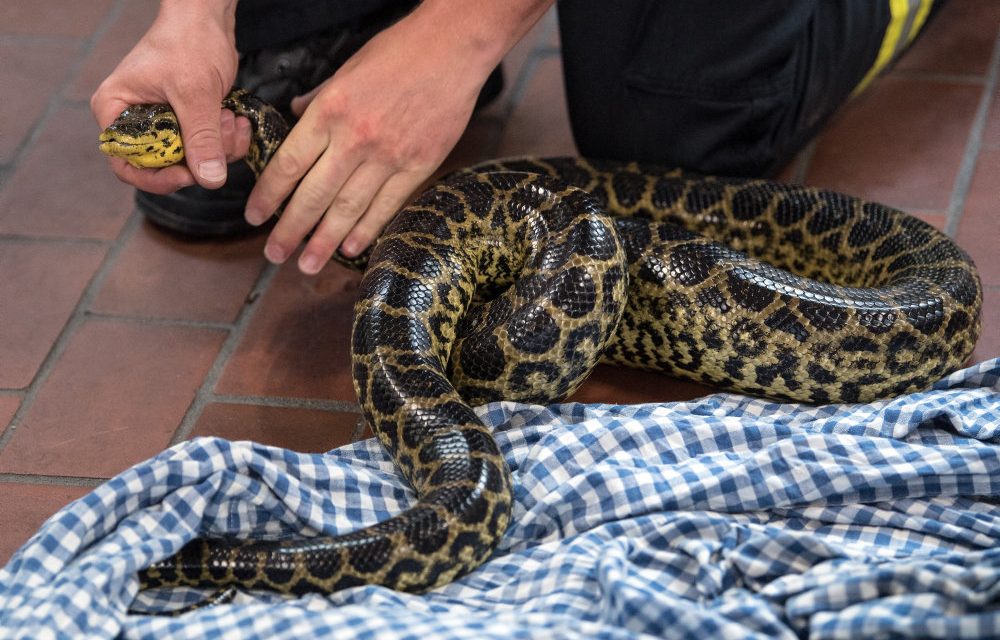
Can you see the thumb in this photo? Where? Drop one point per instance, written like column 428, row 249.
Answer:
column 203, row 149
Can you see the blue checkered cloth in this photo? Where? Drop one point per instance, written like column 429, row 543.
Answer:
column 726, row 517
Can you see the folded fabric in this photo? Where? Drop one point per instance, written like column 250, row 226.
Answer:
column 723, row 517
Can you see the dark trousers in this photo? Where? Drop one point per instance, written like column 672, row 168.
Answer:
column 717, row 86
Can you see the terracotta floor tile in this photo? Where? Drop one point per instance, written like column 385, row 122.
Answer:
column 162, row 276
column 298, row 342
column 938, row 220
column 988, row 345
column 900, row 143
column 991, row 134
column 23, row 509
column 539, row 124
column 8, row 406
column 30, row 74
column 958, row 40
column 115, row 397
column 621, row 385
column 979, row 229
column 477, row 144
column 305, row 430
column 787, row 173
column 129, row 25
column 64, row 186
column 53, row 17
column 41, row 284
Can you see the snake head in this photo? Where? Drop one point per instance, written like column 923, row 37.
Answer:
column 145, row 136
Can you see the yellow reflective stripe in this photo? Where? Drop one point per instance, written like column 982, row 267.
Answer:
column 907, row 17
column 918, row 21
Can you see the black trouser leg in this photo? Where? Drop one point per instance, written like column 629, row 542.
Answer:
column 726, row 86
column 262, row 24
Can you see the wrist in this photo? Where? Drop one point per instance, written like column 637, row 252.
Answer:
column 220, row 12
column 477, row 33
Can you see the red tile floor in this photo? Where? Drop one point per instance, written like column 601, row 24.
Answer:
column 117, row 340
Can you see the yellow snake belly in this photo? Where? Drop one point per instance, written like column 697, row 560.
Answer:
column 510, row 280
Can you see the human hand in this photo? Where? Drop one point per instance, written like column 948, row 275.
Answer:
column 186, row 59
column 367, row 138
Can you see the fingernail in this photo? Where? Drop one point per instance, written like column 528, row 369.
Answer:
column 350, row 248
column 275, row 253
column 309, row 264
column 212, row 170
column 254, row 216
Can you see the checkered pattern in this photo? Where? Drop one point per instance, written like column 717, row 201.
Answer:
column 725, row 517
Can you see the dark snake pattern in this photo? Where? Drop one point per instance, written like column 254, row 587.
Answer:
column 511, row 280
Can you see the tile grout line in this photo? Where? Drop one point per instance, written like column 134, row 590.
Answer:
column 206, row 391
column 11, row 38
column 340, row 406
column 359, row 429
column 948, row 78
column 160, row 322
column 59, row 481
column 72, row 73
column 79, row 315
column 16, row 238
column 963, row 179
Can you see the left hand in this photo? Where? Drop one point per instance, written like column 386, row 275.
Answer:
column 367, row 138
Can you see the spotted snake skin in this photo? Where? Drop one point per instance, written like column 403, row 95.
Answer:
column 512, row 279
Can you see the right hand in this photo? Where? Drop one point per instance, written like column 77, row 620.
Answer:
column 186, row 59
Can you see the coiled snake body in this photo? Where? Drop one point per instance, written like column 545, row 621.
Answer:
column 511, row 280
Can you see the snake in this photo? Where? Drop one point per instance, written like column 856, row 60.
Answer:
column 510, row 280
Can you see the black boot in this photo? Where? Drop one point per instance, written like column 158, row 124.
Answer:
column 276, row 76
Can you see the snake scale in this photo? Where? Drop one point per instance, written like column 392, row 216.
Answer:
column 512, row 279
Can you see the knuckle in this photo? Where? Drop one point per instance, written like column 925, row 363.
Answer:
column 348, row 205
column 286, row 235
column 362, row 237
column 200, row 134
column 323, row 243
column 287, row 164
column 332, row 105
column 311, row 197
column 364, row 131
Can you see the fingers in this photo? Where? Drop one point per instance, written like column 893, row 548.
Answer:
column 362, row 206
column 204, row 151
column 290, row 163
column 161, row 181
column 386, row 203
column 349, row 205
column 322, row 186
column 235, row 135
